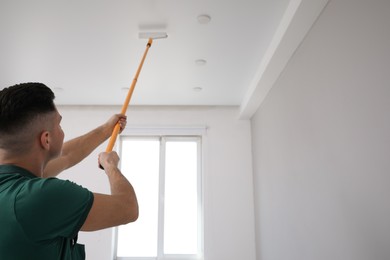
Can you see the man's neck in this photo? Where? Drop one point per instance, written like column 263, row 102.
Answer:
column 29, row 162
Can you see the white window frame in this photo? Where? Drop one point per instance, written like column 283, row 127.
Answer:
column 165, row 134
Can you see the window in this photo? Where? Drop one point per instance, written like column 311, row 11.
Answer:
column 166, row 175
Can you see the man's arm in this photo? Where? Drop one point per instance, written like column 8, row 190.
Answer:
column 121, row 207
column 75, row 150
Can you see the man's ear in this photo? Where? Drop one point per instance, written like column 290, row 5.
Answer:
column 45, row 140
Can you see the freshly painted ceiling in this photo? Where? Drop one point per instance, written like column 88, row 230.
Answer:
column 88, row 51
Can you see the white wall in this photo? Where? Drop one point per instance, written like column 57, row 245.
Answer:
column 228, row 190
column 321, row 142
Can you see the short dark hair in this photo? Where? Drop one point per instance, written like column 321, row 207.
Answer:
column 21, row 103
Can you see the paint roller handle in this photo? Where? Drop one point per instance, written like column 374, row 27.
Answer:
column 112, row 140
column 115, row 132
column 126, row 103
column 114, row 135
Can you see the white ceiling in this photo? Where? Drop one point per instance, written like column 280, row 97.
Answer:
column 88, row 51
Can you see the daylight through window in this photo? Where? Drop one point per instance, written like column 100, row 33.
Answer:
column 166, row 175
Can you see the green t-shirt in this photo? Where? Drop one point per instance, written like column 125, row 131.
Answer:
column 40, row 218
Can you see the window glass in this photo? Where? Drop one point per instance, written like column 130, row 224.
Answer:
column 140, row 164
column 180, row 214
column 165, row 174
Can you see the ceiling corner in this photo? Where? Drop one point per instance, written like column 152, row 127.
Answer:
column 299, row 17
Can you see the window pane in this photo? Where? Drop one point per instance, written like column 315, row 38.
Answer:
column 180, row 215
column 140, row 164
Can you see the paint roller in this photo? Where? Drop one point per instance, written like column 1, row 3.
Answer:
column 143, row 35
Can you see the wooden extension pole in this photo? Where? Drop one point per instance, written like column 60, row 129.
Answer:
column 115, row 132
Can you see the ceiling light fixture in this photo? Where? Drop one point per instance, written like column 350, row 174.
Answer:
column 58, row 89
column 197, row 89
column 204, row 19
column 200, row 62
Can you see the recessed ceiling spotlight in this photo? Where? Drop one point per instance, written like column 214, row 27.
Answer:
column 200, row 62
column 58, row 90
column 204, row 19
column 197, row 89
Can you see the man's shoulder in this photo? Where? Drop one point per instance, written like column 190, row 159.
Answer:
column 48, row 187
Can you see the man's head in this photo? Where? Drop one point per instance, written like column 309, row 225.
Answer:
column 26, row 111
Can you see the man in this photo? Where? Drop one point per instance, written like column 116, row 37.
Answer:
column 41, row 217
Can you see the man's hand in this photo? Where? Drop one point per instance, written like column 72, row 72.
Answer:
column 108, row 160
column 117, row 119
